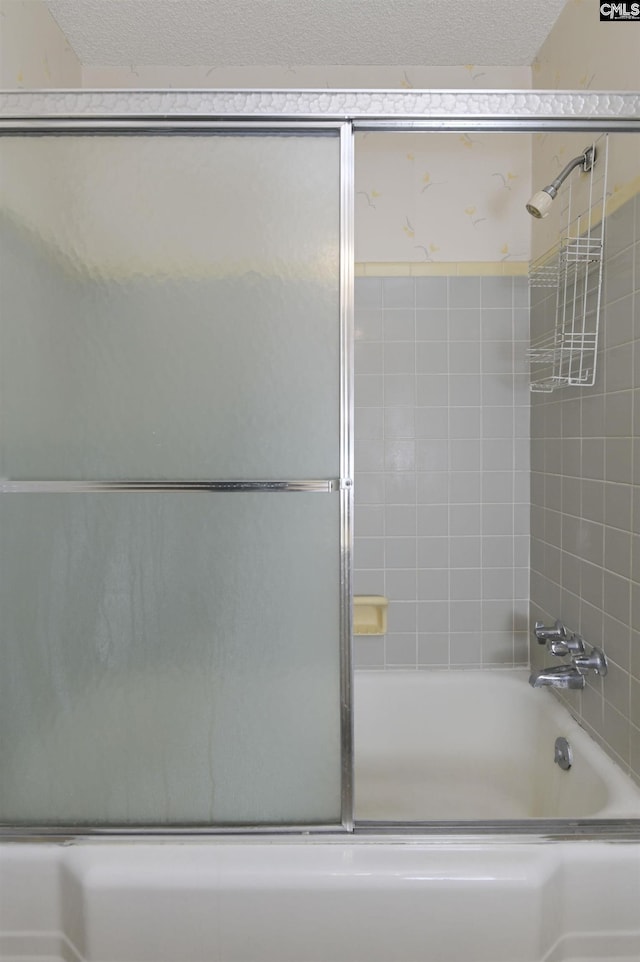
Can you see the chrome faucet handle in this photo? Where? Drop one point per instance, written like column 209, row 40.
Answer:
column 544, row 633
column 594, row 661
column 573, row 645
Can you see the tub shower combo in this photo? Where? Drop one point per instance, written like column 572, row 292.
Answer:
column 178, row 780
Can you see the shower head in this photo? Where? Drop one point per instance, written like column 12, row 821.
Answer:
column 540, row 203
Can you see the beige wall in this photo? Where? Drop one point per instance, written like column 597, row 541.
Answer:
column 34, row 53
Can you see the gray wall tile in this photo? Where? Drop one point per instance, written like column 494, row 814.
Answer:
column 399, row 357
column 617, row 505
column 617, row 322
column 398, row 292
column 442, row 431
column 397, row 422
column 619, row 275
column 431, row 292
column 431, row 325
column 496, row 292
column 369, row 423
column 465, row 649
column 368, row 292
column 433, row 650
column 368, row 652
column 598, row 581
column 497, row 325
column 401, row 650
column 398, row 325
column 464, row 292
column 431, row 357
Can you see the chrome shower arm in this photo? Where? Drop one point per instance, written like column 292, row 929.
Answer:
column 540, row 203
column 585, row 160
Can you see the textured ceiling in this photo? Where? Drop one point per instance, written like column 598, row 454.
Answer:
column 311, row 32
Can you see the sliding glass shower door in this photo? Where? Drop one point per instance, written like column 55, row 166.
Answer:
column 173, row 583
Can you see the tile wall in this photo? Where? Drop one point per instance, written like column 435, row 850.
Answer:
column 585, row 521
column 442, row 469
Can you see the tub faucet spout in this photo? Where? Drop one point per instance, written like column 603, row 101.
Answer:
column 560, row 676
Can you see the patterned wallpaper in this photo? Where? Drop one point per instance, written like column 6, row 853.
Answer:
column 463, row 77
column 439, row 198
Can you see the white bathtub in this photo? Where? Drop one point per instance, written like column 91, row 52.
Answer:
column 482, row 745
column 432, row 745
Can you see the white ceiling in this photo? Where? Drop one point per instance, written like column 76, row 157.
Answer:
column 311, row 32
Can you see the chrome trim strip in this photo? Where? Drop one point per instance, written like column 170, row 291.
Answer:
column 103, row 487
column 347, row 258
column 528, row 831
column 541, row 109
column 552, row 829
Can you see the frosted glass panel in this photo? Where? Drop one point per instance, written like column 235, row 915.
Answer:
column 169, row 307
column 169, row 659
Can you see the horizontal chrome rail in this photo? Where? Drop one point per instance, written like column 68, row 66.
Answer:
column 103, row 487
column 29, row 127
column 95, row 126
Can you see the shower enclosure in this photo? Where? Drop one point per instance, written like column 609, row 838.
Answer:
column 176, row 453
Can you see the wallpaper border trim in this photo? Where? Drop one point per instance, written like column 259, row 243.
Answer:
column 441, row 269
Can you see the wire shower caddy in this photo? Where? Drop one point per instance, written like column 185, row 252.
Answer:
column 570, row 273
